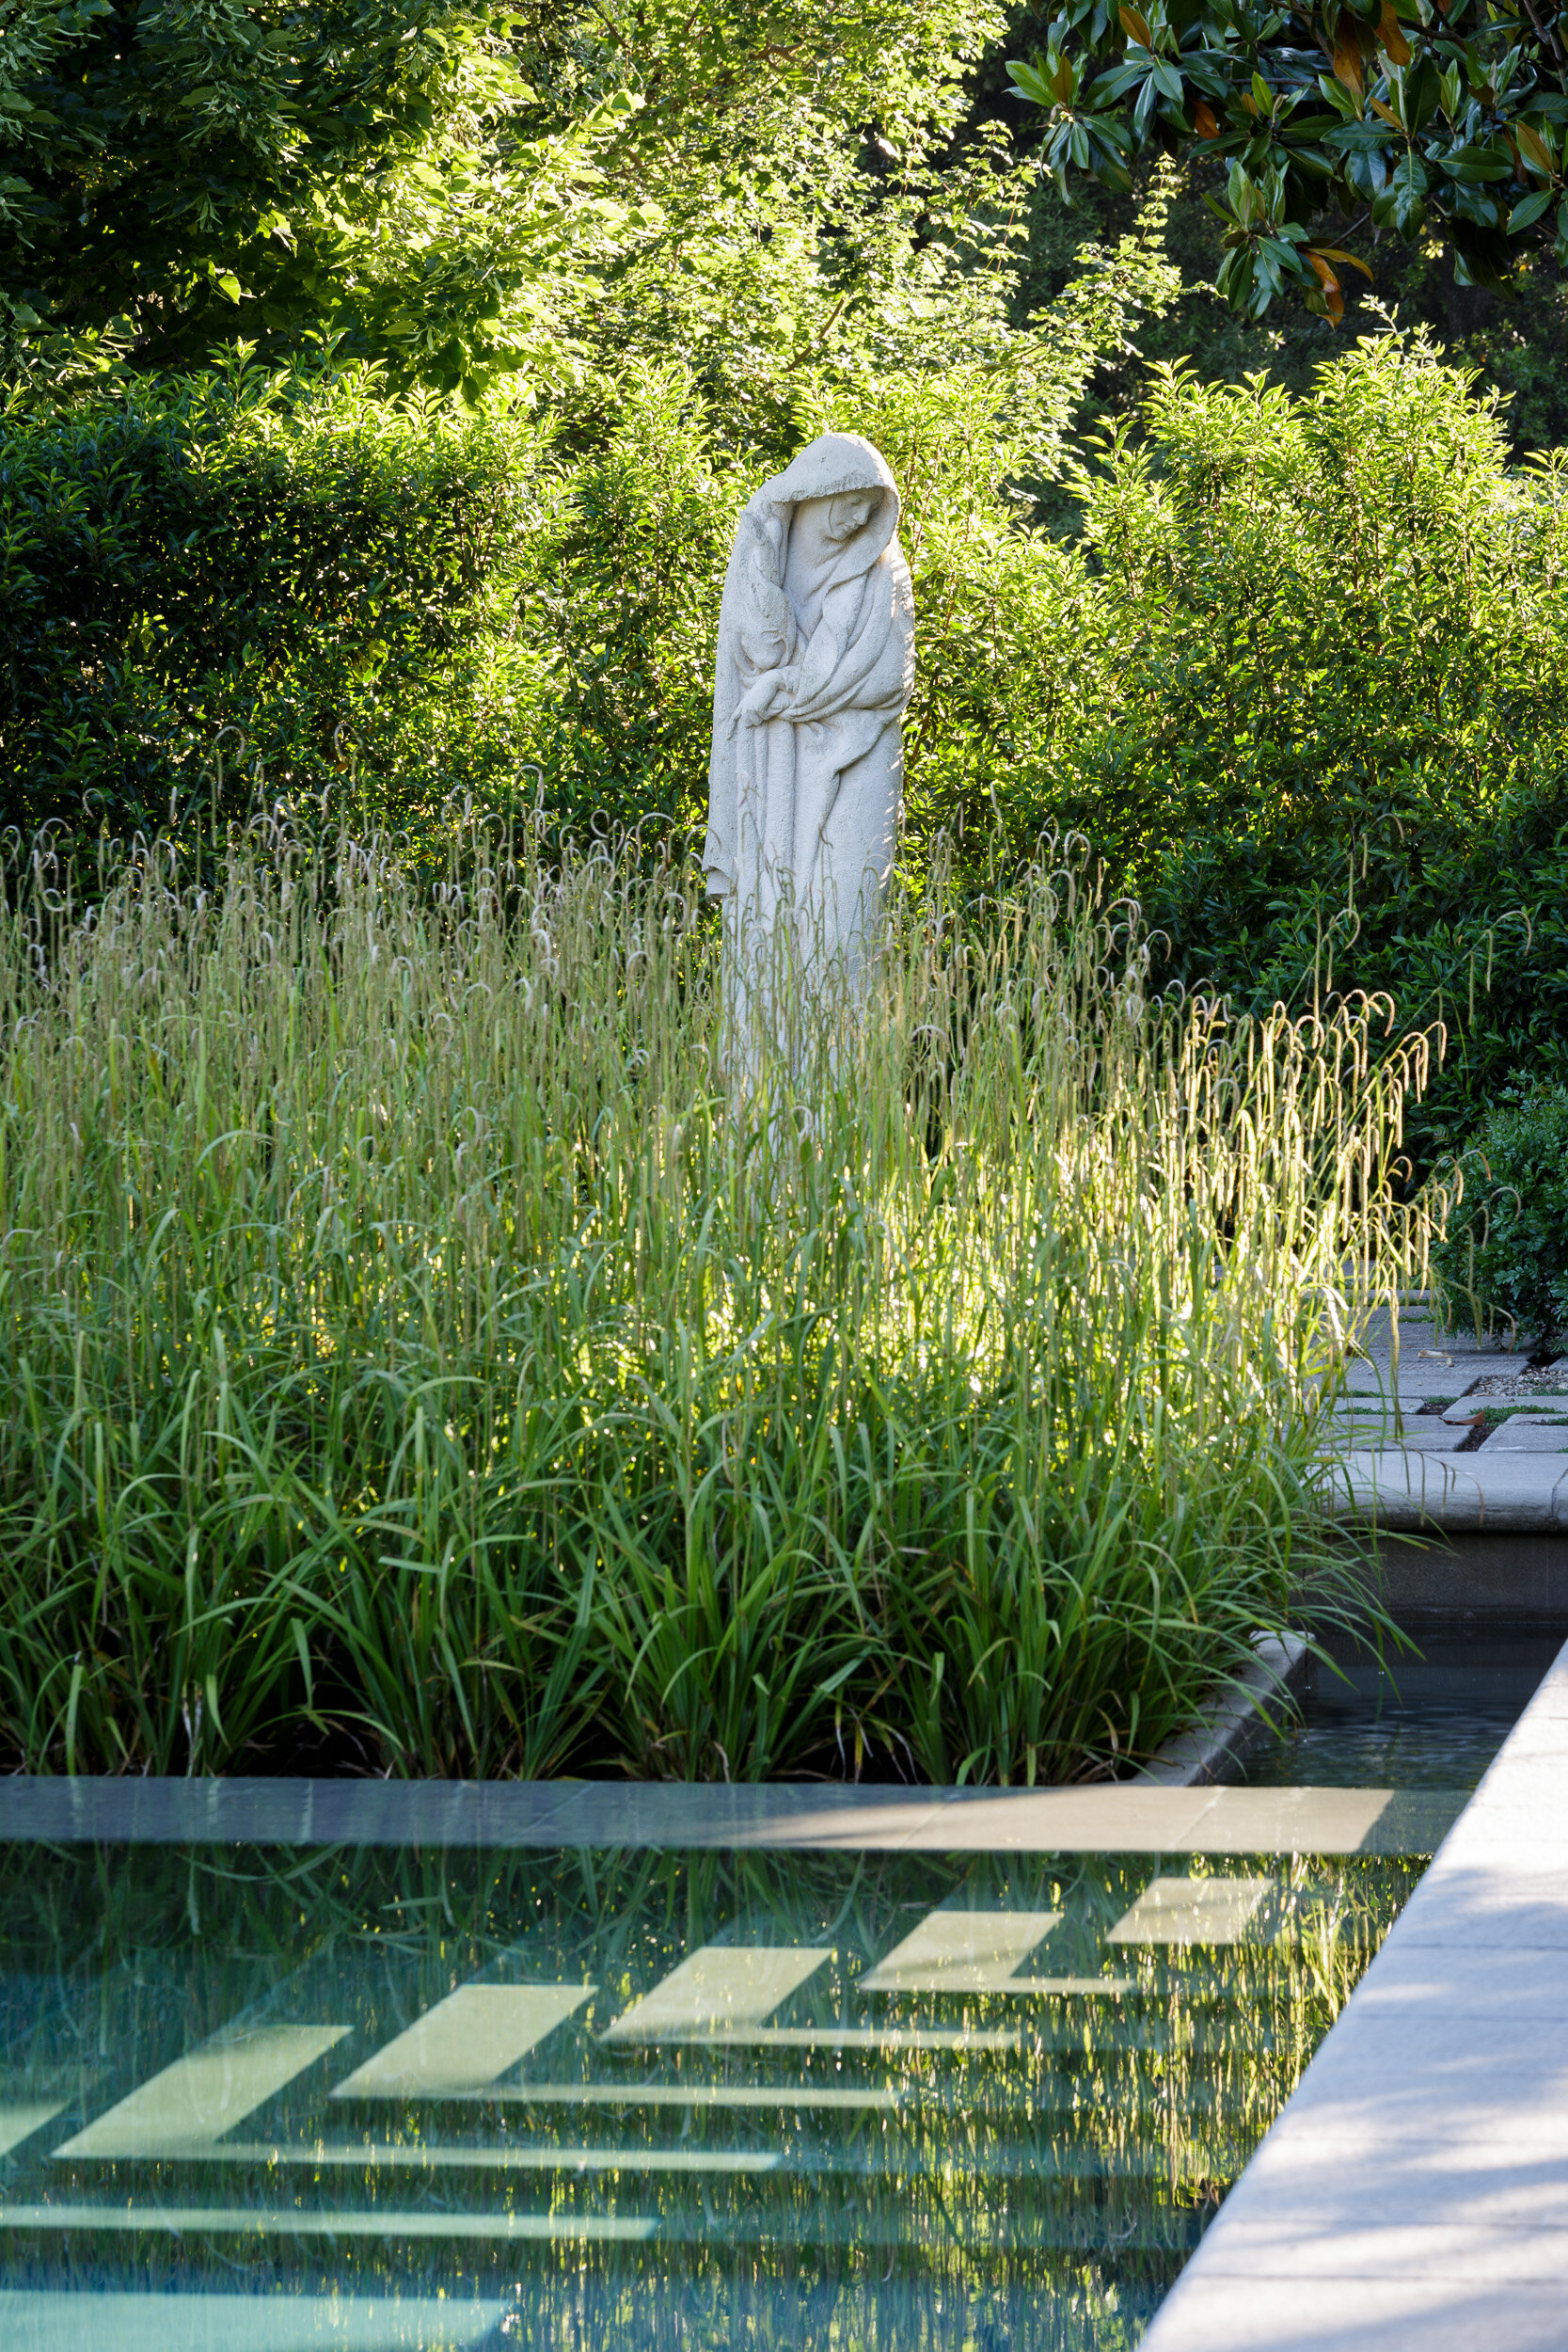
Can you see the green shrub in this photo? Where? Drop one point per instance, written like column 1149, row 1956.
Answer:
column 1335, row 755
column 204, row 576
column 1301, row 684
column 1505, row 1249
column 1327, row 603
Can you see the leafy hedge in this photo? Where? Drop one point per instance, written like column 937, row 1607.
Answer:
column 443, row 600
column 204, row 573
column 1338, row 756
column 1302, row 678
column 1507, row 1245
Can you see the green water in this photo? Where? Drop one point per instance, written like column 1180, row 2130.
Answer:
column 259, row 2100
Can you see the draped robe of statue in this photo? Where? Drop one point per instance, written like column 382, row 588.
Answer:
column 816, row 663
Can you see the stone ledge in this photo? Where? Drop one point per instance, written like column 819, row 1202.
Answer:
column 1441, row 1493
column 1109, row 1816
column 1412, row 2194
column 1239, row 1725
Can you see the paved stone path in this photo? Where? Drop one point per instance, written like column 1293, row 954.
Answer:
column 1458, row 1436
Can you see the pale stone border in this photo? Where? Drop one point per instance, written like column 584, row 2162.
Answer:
column 1467, row 1494
column 1413, row 2196
column 1240, row 1723
column 1120, row 1817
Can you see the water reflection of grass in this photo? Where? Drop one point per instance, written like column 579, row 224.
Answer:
column 404, row 1355
column 1041, row 2198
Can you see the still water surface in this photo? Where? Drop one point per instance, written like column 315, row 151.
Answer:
column 255, row 2100
column 1432, row 1717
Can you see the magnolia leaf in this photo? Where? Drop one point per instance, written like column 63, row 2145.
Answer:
column 1394, row 42
column 1527, row 213
column 1533, row 147
column 1032, row 84
column 1337, row 253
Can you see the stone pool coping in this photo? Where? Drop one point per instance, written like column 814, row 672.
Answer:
column 1414, row 2192
column 1478, row 1535
column 1126, row 1817
column 1244, row 1719
column 1441, row 1493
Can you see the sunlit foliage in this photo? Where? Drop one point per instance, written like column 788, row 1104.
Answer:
column 407, row 1346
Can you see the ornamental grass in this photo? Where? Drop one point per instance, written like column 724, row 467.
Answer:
column 416, row 1360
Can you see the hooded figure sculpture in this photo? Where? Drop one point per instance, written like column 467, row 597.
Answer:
column 816, row 663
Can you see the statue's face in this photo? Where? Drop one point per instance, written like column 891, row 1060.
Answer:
column 848, row 512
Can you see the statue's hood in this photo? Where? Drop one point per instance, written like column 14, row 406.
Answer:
column 832, row 463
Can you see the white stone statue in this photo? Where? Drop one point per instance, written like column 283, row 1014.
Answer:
column 816, row 663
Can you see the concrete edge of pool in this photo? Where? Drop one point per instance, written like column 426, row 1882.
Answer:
column 1126, row 1817
column 1241, row 1723
column 1414, row 2192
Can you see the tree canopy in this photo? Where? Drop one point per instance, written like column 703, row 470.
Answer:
column 186, row 172
column 462, row 189
column 1421, row 117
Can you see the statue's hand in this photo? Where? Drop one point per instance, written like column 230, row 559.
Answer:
column 759, row 703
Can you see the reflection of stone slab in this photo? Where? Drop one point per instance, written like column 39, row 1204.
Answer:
column 1192, row 1911
column 55, row 2320
column 874, row 2037
column 321, row 2221
column 762, row 2096
column 201, row 2097
column 723, row 1985
column 465, row 2041
column 20, row 2118
column 370, row 2155
column 962, row 1951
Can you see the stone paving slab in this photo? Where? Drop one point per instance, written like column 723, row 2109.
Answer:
column 1129, row 1817
column 1495, row 2255
column 1518, row 1436
column 1406, row 1490
column 1347, row 2314
column 1425, row 1437
column 1367, row 1385
column 1439, row 1362
column 1414, row 2193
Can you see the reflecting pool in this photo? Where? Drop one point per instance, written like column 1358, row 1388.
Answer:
column 258, row 2099
column 1434, row 1718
